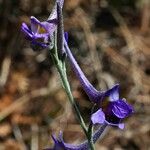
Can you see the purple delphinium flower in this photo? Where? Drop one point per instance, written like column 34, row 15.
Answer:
column 41, row 33
column 115, row 111
column 59, row 143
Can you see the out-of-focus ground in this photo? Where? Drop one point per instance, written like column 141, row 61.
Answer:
column 111, row 41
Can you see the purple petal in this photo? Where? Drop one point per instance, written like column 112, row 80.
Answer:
column 34, row 24
column 120, row 125
column 98, row 117
column 54, row 138
column 48, row 27
column 66, row 36
column 26, row 31
column 43, row 45
column 113, row 93
column 121, row 109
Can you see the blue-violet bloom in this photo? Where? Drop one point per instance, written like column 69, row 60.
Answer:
column 41, row 33
column 116, row 110
column 59, row 143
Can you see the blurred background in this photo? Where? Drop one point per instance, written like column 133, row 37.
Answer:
column 111, row 41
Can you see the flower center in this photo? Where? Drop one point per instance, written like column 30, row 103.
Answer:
column 107, row 106
column 41, row 30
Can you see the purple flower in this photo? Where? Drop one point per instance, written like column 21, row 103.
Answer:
column 115, row 111
column 59, row 143
column 41, row 33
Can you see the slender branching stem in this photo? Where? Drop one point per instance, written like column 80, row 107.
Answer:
column 74, row 105
column 62, row 72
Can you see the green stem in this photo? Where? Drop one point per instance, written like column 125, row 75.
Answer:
column 60, row 65
column 70, row 96
column 90, row 129
column 90, row 134
column 62, row 71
